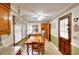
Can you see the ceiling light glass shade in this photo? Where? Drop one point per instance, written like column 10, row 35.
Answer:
column 40, row 18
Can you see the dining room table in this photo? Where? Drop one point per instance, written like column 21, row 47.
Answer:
column 34, row 39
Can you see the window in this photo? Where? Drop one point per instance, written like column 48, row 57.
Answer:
column 64, row 28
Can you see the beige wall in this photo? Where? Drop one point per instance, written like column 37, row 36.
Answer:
column 20, row 26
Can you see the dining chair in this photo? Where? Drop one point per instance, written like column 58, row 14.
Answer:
column 42, row 48
column 35, row 48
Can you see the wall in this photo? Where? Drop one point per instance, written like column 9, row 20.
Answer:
column 54, row 30
column 18, row 33
column 24, row 30
column 20, row 25
column 29, row 26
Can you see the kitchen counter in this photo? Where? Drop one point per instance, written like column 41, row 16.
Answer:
column 9, row 50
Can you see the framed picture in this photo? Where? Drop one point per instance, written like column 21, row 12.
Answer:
column 35, row 28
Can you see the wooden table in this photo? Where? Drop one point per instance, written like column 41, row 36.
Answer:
column 37, row 39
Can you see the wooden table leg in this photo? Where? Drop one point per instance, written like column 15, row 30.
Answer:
column 28, row 49
column 43, row 49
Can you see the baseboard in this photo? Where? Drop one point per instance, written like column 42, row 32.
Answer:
column 54, row 45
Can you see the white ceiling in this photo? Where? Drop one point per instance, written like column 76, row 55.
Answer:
column 47, row 11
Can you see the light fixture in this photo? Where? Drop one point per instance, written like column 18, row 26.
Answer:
column 40, row 18
column 39, row 15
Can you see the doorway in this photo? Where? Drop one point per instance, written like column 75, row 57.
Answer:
column 64, row 33
column 46, row 28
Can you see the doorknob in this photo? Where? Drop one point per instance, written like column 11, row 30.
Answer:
column 68, row 29
column 67, row 24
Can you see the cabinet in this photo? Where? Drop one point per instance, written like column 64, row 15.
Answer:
column 4, row 18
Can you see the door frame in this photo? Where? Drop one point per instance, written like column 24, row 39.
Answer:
column 13, row 16
column 69, row 16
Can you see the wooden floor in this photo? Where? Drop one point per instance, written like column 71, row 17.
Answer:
column 50, row 49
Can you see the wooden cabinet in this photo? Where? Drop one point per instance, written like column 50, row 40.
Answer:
column 4, row 18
